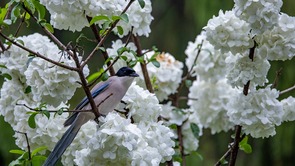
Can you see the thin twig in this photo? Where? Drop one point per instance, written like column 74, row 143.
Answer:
column 105, row 36
column 288, row 90
column 28, row 144
column 276, row 80
column 84, row 85
column 38, row 54
column 51, row 111
column 145, row 72
column 238, row 128
column 98, row 39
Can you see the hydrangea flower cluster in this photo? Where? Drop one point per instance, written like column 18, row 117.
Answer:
column 210, row 64
column 258, row 112
column 282, row 36
column 262, row 15
column 118, row 141
column 242, row 69
column 71, row 15
column 113, row 53
column 229, row 33
column 35, row 81
column 288, row 108
column 209, row 101
column 47, row 81
column 164, row 84
column 183, row 118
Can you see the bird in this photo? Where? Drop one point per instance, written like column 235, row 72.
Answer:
column 106, row 95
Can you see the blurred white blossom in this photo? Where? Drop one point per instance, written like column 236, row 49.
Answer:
column 209, row 101
column 279, row 43
column 262, row 15
column 258, row 113
column 289, row 108
column 166, row 78
column 71, row 15
column 210, row 64
column 229, row 33
column 242, row 69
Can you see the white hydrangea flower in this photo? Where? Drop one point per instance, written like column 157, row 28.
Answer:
column 13, row 93
column 229, row 33
column 289, row 108
column 118, row 141
column 209, row 101
column 112, row 52
column 279, row 43
column 47, row 131
column 16, row 59
column 242, row 69
column 71, row 15
column 52, row 83
column 190, row 142
column 258, row 113
column 210, row 64
column 183, row 118
column 159, row 136
column 79, row 143
column 166, row 78
column 143, row 106
column 174, row 115
column 262, row 15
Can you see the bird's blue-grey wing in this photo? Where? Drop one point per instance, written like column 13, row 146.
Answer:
column 85, row 101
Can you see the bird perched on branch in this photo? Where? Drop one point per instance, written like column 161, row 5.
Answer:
column 106, row 95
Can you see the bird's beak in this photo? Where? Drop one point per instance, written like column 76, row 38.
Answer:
column 134, row 75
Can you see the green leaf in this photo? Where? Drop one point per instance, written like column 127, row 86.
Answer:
column 121, row 50
column 124, row 17
column 39, row 149
column 48, row 27
column 38, row 160
column 93, row 76
column 17, row 151
column 40, row 9
column 156, row 63
column 28, row 89
column 198, row 155
column 104, row 76
column 46, row 113
column 120, row 30
column 31, row 121
column 15, row 13
column 115, row 18
column 30, row 5
column 244, row 146
column 188, row 83
column 141, row 3
column 5, row 75
column 98, row 18
column 195, row 129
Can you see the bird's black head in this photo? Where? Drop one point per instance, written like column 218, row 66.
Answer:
column 126, row 71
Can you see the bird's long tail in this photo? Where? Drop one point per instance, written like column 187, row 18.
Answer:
column 63, row 143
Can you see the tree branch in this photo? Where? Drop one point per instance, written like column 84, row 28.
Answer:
column 38, row 54
column 145, row 72
column 98, row 39
column 105, row 36
column 287, row 90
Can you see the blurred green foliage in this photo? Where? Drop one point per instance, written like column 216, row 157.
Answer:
column 175, row 23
